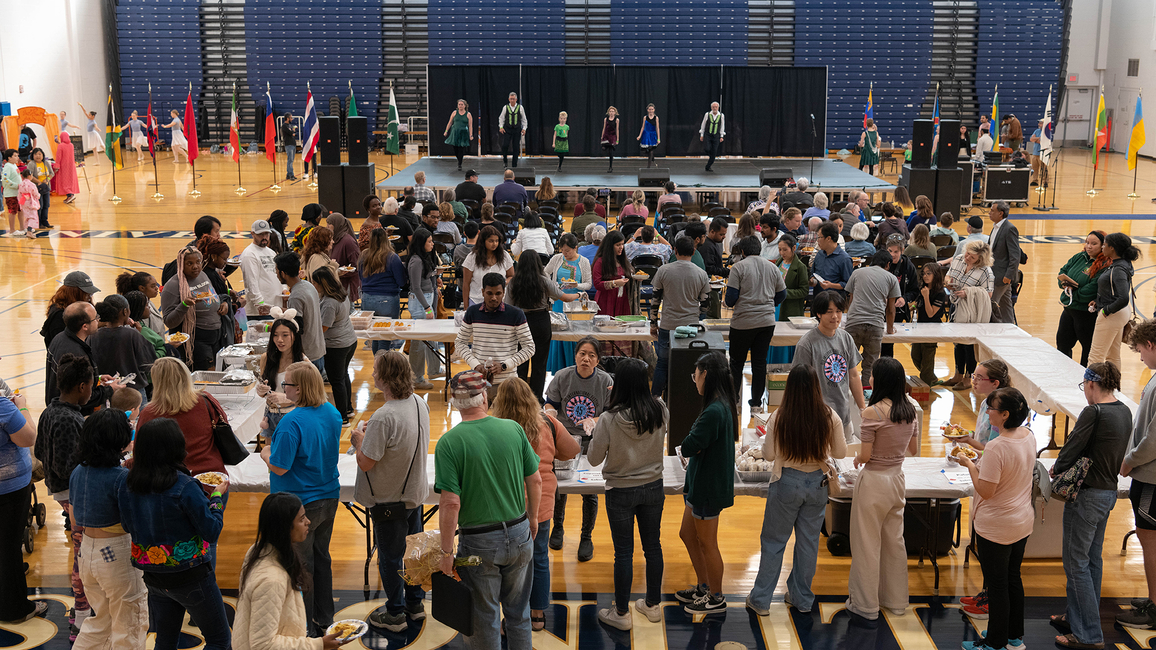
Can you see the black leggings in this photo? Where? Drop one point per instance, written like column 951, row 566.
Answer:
column 1076, row 326
column 870, row 168
column 206, row 344
column 45, row 193
column 561, row 157
column 756, row 341
column 539, row 322
column 609, row 149
column 337, row 368
column 1005, row 589
column 964, row 359
column 650, row 156
column 460, row 153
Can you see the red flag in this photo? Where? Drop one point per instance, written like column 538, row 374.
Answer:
column 191, row 126
column 270, row 129
column 151, row 126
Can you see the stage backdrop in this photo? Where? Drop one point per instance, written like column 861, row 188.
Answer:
column 768, row 110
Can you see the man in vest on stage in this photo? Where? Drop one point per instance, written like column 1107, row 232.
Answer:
column 712, row 132
column 512, row 126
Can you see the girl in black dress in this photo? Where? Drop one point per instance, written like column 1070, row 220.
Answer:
column 610, row 135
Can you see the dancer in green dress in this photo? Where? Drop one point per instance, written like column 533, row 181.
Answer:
column 561, row 138
column 460, row 131
column 869, row 147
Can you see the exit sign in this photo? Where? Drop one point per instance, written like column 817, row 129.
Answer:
column 1074, row 78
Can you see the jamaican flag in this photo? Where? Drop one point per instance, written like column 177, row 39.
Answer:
column 112, row 137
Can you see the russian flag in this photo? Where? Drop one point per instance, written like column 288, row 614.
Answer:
column 312, row 130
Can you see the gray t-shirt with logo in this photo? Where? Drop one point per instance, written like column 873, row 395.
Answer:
column 390, row 438
column 834, row 358
column 579, row 398
column 757, row 281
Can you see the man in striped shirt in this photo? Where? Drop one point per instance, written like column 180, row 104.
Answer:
column 494, row 338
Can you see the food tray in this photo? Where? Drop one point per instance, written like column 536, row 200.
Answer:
column 564, row 470
column 210, row 381
column 803, row 322
column 361, row 319
column 630, row 319
column 717, row 324
column 754, row 477
column 617, row 327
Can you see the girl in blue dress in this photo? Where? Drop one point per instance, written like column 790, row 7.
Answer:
column 650, row 135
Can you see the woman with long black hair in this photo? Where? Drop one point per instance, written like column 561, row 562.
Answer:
column 488, row 257
column 709, row 488
column 424, row 282
column 534, row 294
column 285, row 349
column 611, row 271
column 1114, row 287
column 270, row 611
column 340, row 341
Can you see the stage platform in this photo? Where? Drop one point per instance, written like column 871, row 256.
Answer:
column 735, row 175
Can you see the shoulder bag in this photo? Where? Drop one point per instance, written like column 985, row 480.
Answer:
column 396, row 510
column 1067, row 485
column 231, row 450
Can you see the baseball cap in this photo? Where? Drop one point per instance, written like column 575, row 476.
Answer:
column 80, row 280
column 260, row 226
column 471, row 382
column 471, row 172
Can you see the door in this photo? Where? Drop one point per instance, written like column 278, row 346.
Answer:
column 1122, row 119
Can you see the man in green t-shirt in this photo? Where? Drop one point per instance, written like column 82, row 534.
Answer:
column 486, row 474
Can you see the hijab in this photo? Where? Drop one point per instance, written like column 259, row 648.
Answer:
column 340, row 226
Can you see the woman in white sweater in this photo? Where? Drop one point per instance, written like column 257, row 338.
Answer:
column 532, row 236
column 270, row 609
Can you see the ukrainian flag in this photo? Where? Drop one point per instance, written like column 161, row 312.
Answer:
column 1137, row 139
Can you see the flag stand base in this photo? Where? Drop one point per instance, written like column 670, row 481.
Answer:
column 194, row 193
column 115, row 199
column 240, row 191
column 1133, row 195
column 1092, row 192
column 158, row 196
column 312, row 185
column 1044, row 208
column 274, row 188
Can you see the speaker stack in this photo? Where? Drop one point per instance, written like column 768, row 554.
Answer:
column 329, row 144
column 653, row 177
column 945, row 184
column 341, row 187
column 922, row 134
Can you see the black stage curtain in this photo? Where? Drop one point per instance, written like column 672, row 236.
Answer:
column 680, row 96
column 583, row 92
column 485, row 88
column 769, row 110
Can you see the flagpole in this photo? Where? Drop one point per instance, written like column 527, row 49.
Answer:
column 192, row 160
column 1053, row 176
column 152, row 150
column 237, row 151
column 112, row 117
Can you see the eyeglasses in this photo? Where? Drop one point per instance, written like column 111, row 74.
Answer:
column 1081, row 385
column 975, row 377
column 285, row 384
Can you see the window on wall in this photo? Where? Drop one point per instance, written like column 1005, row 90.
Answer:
column 1133, row 67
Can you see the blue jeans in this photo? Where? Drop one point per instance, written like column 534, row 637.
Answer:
column 201, row 599
column 662, row 349
column 502, row 580
column 390, row 539
column 383, row 305
column 420, row 355
column 623, row 505
column 794, row 502
column 540, row 589
column 1085, row 520
column 315, row 554
column 290, row 154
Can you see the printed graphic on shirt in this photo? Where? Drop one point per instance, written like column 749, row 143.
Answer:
column 203, row 291
column 835, row 368
column 580, row 407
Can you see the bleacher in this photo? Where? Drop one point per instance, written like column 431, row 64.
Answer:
column 1019, row 49
column 159, row 43
column 678, row 32
column 496, row 32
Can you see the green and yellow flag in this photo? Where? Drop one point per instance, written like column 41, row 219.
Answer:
column 1102, row 129
column 112, row 137
column 995, row 120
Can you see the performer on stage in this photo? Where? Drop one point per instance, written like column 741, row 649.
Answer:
column 561, row 138
column 712, row 132
column 139, row 140
column 610, row 135
column 460, row 131
column 512, row 126
column 649, row 136
column 869, row 147
column 180, row 144
column 93, row 138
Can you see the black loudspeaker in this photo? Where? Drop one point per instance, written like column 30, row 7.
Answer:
column 684, row 400
column 654, row 177
column 331, row 187
column 918, row 181
column 524, row 176
column 948, row 157
column 922, row 134
column 947, row 184
column 329, row 144
column 968, row 169
column 777, row 177
column 357, row 137
column 359, row 183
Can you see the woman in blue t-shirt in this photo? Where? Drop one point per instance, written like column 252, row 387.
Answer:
column 16, row 436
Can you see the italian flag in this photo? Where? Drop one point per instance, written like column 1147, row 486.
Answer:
column 235, row 129
column 1101, row 129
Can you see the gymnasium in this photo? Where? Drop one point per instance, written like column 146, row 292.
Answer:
column 716, row 324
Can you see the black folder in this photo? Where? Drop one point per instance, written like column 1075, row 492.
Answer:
column 453, row 604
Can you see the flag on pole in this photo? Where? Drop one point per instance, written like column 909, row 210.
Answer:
column 352, row 102
column 151, row 125
column 1101, row 130
column 112, row 136
column 191, row 126
column 1046, row 132
column 1137, row 140
column 869, row 111
column 391, row 143
column 935, row 121
column 995, row 120
column 312, row 129
column 270, row 128
column 235, row 129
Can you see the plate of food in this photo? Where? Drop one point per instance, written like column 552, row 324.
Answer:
column 347, row 269
column 394, row 237
column 348, row 630
column 954, row 431
column 962, row 451
column 803, row 322
column 212, row 479
column 177, row 338
column 640, row 276
column 234, row 260
column 570, row 284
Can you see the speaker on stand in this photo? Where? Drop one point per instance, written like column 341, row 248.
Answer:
column 329, row 143
column 357, row 135
column 331, row 187
column 359, row 183
column 948, row 157
column 922, row 135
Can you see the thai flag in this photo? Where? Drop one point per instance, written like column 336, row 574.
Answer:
column 312, row 130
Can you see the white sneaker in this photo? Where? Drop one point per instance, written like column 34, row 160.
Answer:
column 758, row 610
column 758, row 410
column 652, row 614
column 611, row 617
column 423, row 385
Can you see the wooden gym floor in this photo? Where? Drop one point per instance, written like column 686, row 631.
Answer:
column 120, row 236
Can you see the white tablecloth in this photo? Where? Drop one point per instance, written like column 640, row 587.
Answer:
column 252, row 475
column 244, row 413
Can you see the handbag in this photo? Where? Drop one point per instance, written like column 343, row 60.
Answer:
column 231, row 450
column 835, row 487
column 395, row 510
column 1067, row 485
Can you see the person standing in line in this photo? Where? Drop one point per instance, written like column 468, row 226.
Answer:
column 531, row 291
column 631, row 438
column 755, row 287
column 17, row 434
column 487, row 257
column 683, row 287
column 512, row 126
column 382, row 277
column 610, row 124
column 303, row 298
column 179, row 144
column 425, row 282
column 890, row 431
column 931, row 307
column 872, row 292
column 709, row 487
column 1101, row 435
column 1115, row 290
column 394, row 442
column 459, row 131
column 1140, row 465
column 80, row 322
column 611, row 271
column 800, row 444
column 832, row 352
column 494, row 338
column 486, row 476
column 711, row 133
column 1004, row 516
column 650, row 135
column 259, row 271
column 340, row 339
column 561, row 141
column 1078, row 280
column 289, row 142
column 969, row 271
column 1005, row 255
column 191, row 304
column 869, row 147
column 831, row 264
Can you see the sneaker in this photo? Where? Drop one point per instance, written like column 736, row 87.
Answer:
column 971, row 600
column 977, row 611
column 1141, row 618
column 690, row 594
column 707, row 604
column 787, row 600
column 761, row 611
column 758, row 410
column 613, row 618
column 1137, row 603
column 40, row 608
column 383, row 620
column 652, row 613
column 557, row 538
column 585, row 550
column 975, row 645
column 423, row 385
column 1012, row 644
column 415, row 611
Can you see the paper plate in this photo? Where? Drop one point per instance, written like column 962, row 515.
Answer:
column 358, row 629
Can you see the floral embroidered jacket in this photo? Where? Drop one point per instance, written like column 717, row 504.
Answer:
column 171, row 530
